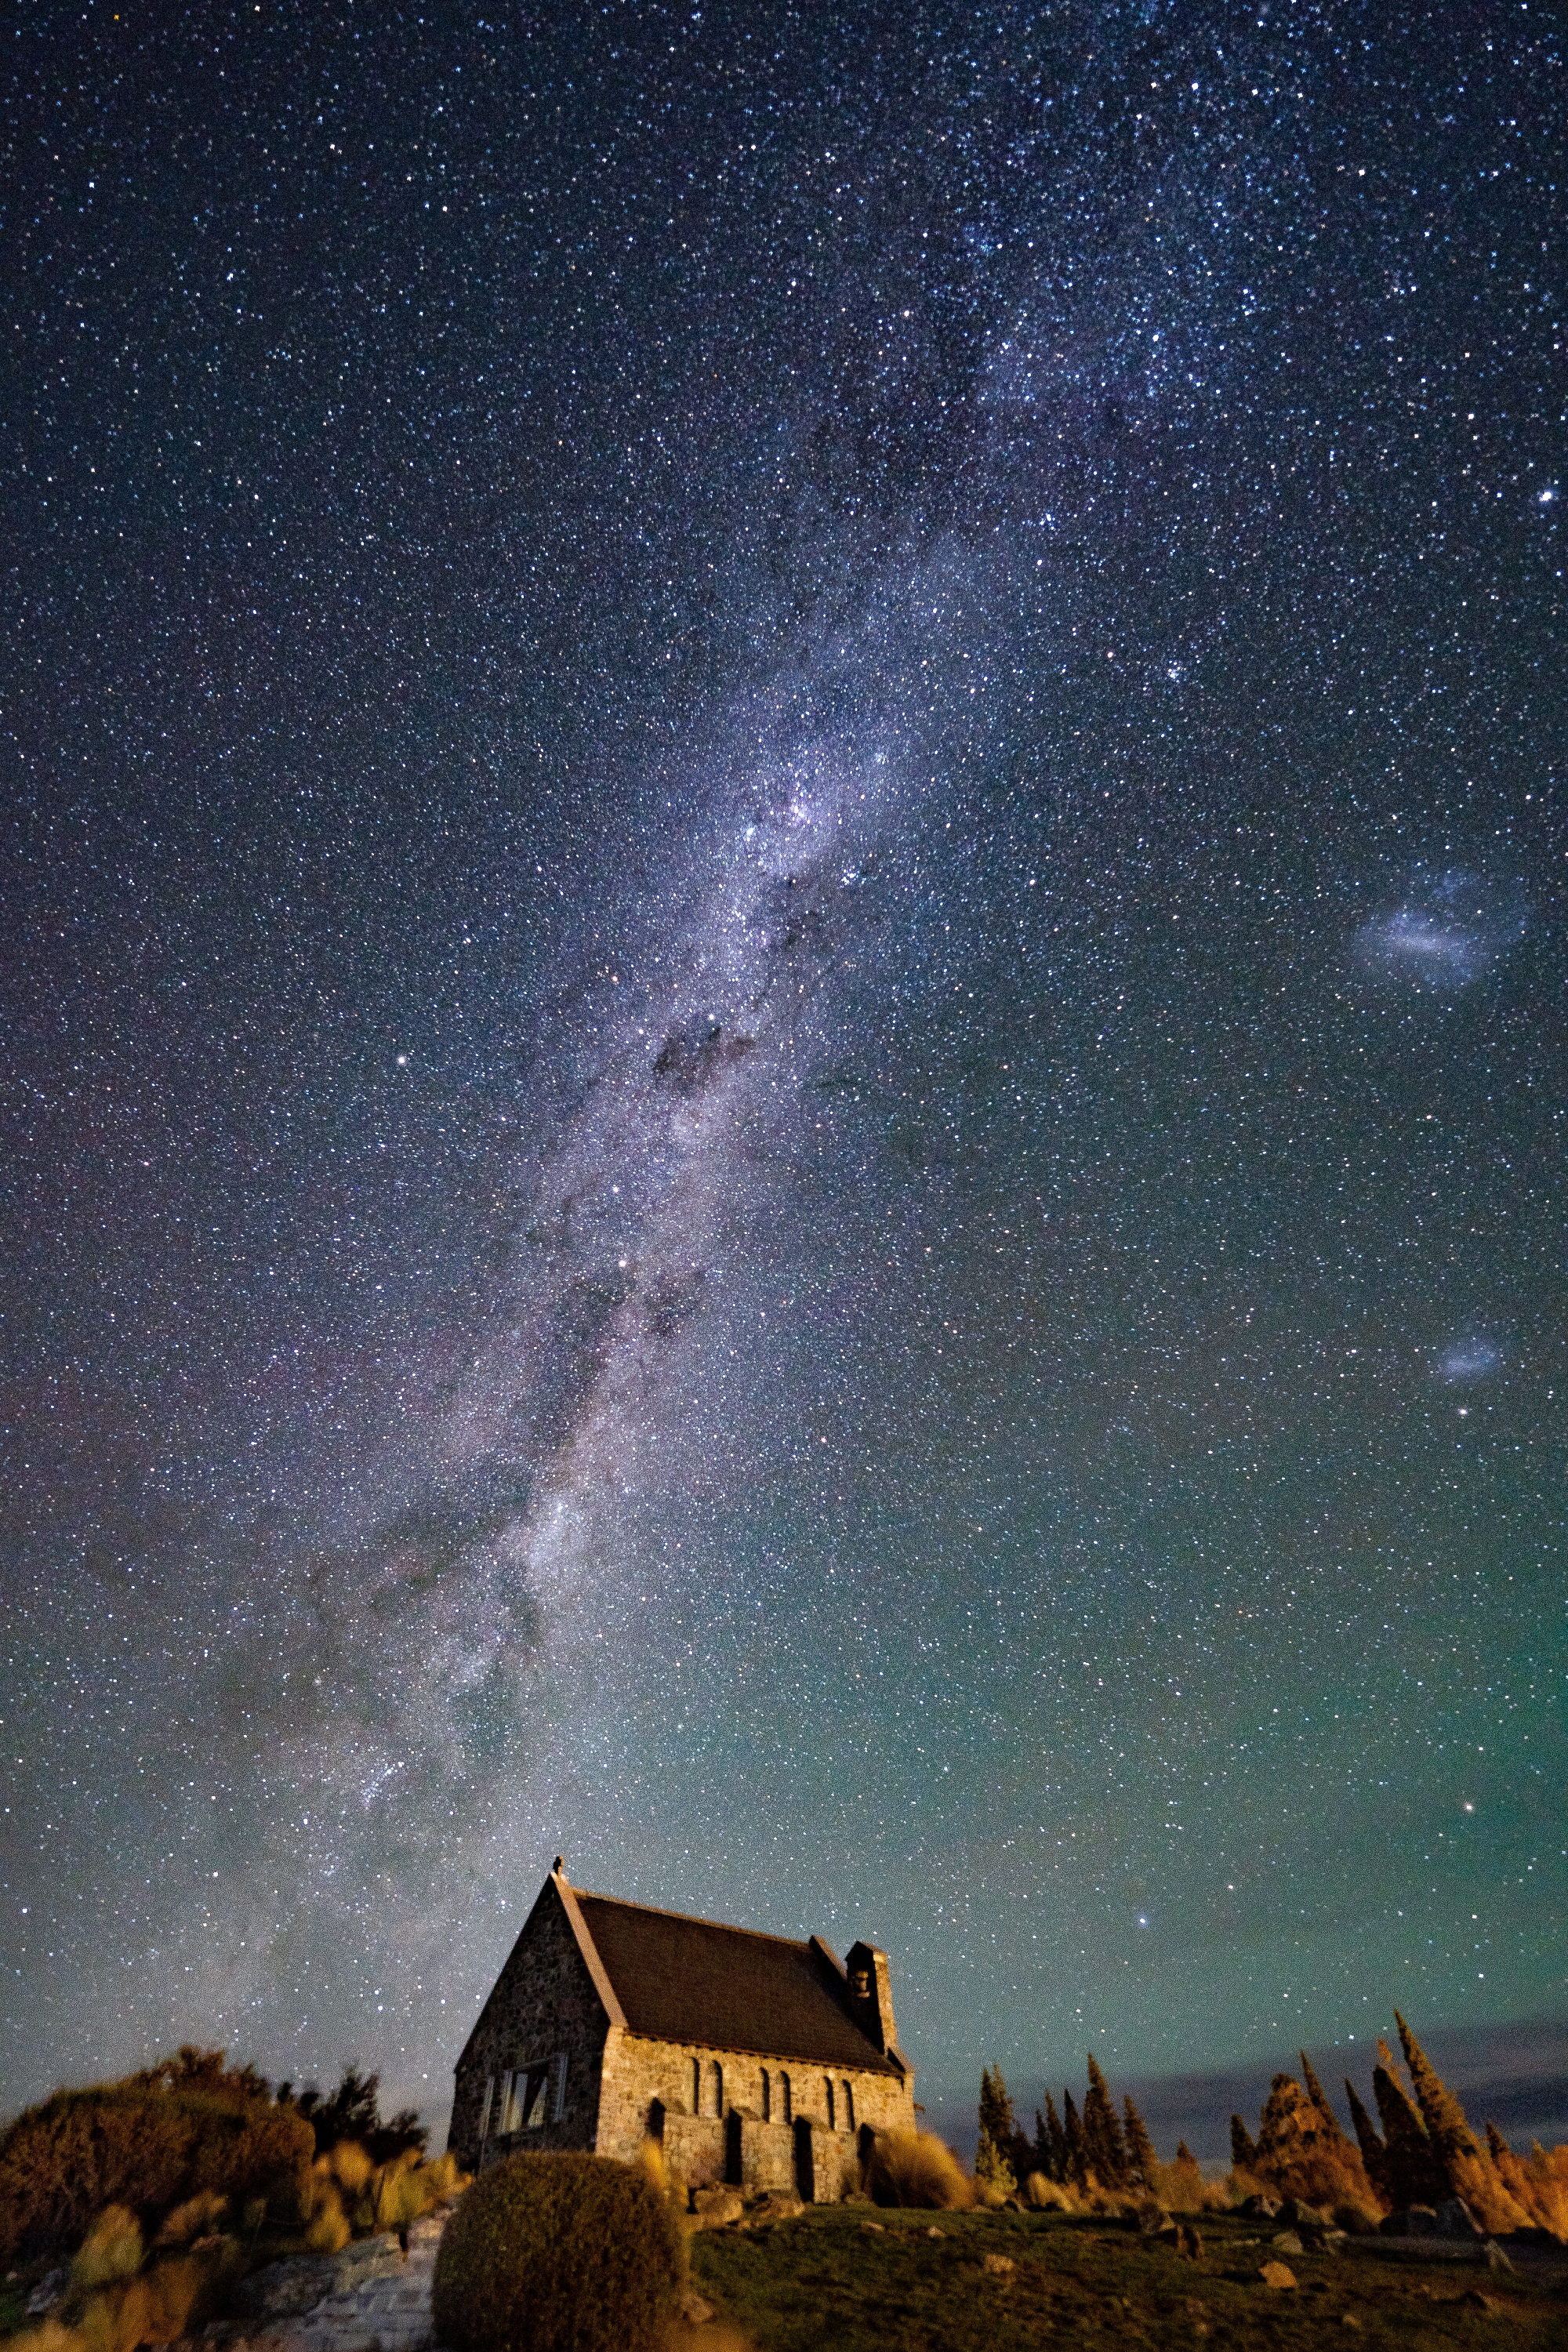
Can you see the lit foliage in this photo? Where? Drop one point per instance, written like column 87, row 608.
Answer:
column 1426, row 2154
column 152, row 2142
column 917, row 2169
column 554, row 2251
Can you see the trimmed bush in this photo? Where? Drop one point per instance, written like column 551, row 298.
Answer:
column 558, row 2253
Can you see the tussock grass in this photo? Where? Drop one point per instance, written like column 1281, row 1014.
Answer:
column 916, row 2169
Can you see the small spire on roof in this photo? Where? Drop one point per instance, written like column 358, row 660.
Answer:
column 558, row 1868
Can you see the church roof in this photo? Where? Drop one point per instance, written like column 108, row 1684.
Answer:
column 691, row 1980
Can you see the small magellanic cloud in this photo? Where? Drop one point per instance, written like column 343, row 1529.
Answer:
column 1470, row 1359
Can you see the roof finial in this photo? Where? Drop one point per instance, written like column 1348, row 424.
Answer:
column 559, row 1870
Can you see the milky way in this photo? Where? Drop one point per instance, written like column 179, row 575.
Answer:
column 785, row 1005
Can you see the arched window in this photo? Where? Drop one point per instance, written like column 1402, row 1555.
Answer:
column 828, row 2086
column 767, row 2097
column 717, row 2088
column 784, row 2101
column 697, row 2086
column 848, row 2106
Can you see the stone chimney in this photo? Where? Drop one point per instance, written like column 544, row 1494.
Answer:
column 871, row 1996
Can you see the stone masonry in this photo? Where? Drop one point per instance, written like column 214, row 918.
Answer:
column 370, row 2298
column 548, row 2009
column 791, row 2103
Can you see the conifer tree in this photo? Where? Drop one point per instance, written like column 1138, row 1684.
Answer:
column 1058, row 2167
column 1374, row 2155
column 1497, row 2144
column 1072, row 2132
column 995, row 2107
column 1412, row 2173
column 997, row 2133
column 1141, row 2158
column 1319, row 2099
column 1243, row 2148
column 1447, row 2128
column 1103, row 2145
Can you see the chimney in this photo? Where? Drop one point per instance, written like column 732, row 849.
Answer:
column 871, row 1996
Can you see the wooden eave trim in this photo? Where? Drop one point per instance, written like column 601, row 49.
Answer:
column 591, row 1960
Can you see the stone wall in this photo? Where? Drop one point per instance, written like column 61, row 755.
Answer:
column 544, row 2006
column 728, row 2112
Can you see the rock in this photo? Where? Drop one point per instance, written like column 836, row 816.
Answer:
column 694, row 2310
column 1262, row 2209
column 1455, row 2220
column 1475, row 2301
column 1348, row 2319
column 934, row 2233
column 49, row 2291
column 714, row 2207
column 1293, row 2213
column 1152, row 2219
column 1189, row 2246
column 1278, row 2275
column 1003, row 2265
column 1494, row 2257
column 1412, row 2221
column 880, row 2228
column 778, row 2205
column 1287, row 2243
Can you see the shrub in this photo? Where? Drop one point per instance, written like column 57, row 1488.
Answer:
column 995, row 2179
column 558, row 2253
column 917, row 2169
column 150, row 2143
column 353, row 2114
column 1046, row 2196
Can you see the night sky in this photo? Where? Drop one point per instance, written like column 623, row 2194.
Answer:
column 784, row 1029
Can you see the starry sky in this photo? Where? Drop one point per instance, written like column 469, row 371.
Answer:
column 784, row 1015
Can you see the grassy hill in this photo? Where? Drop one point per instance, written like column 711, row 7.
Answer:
column 982, row 2282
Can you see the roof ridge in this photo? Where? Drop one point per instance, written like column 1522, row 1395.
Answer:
column 693, row 1919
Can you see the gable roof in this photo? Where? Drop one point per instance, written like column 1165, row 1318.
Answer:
column 680, row 1979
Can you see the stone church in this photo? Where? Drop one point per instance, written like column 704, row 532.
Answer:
column 754, row 2060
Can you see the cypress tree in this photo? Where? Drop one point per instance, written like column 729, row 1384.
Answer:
column 1059, row 2168
column 1447, row 2127
column 1374, row 2155
column 1413, row 2174
column 1140, row 2157
column 1072, row 2132
column 1497, row 2144
column 1243, row 2148
column 1103, row 2143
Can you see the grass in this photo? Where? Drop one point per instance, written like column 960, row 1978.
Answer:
column 827, row 2279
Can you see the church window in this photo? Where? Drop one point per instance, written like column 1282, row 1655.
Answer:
column 848, row 2106
column 828, row 2086
column 784, row 2101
